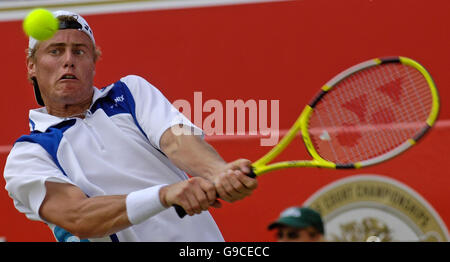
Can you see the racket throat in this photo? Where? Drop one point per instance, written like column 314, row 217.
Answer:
column 258, row 171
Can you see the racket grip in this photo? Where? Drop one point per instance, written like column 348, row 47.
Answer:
column 251, row 174
column 182, row 213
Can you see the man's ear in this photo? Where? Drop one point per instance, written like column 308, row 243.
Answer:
column 31, row 67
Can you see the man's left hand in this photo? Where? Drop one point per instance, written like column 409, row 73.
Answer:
column 233, row 184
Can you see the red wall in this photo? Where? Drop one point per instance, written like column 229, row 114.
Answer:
column 283, row 51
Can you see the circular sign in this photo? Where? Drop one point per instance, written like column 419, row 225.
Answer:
column 374, row 207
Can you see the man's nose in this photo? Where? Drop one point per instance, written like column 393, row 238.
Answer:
column 69, row 59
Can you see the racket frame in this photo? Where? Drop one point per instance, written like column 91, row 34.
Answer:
column 261, row 166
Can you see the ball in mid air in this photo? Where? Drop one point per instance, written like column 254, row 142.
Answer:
column 40, row 24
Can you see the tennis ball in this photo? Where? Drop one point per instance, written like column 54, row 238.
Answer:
column 40, row 24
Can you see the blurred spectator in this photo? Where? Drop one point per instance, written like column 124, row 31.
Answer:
column 299, row 224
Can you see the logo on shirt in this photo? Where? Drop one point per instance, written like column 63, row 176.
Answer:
column 117, row 100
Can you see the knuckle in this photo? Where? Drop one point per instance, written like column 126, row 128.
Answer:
column 189, row 211
column 196, row 206
column 205, row 205
column 210, row 187
column 227, row 198
column 182, row 192
column 239, row 186
column 193, row 180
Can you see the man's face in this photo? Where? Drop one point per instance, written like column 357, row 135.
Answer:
column 292, row 234
column 64, row 67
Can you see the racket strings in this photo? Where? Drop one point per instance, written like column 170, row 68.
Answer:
column 370, row 113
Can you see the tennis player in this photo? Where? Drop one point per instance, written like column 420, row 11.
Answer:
column 107, row 165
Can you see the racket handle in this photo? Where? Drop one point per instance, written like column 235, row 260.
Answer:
column 251, row 174
column 182, row 213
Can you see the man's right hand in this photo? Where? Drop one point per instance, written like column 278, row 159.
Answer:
column 193, row 195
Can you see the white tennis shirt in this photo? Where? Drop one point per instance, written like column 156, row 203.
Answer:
column 114, row 150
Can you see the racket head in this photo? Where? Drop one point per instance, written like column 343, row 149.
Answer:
column 370, row 113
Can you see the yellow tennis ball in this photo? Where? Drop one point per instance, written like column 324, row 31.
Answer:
column 40, row 24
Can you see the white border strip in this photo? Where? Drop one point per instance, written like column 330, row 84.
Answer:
column 20, row 9
column 399, row 149
column 351, row 71
column 31, row 3
column 442, row 124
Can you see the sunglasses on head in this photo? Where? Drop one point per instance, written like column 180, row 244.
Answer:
column 70, row 24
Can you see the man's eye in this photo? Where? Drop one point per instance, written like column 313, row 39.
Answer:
column 54, row 51
column 79, row 52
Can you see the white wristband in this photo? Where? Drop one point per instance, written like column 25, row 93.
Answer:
column 143, row 204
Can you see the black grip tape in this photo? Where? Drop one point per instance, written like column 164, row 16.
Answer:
column 180, row 211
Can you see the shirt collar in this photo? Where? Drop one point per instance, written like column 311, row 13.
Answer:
column 41, row 120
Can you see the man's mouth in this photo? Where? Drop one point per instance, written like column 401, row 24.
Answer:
column 68, row 76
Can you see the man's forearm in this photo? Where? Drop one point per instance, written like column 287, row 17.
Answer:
column 67, row 206
column 198, row 158
column 102, row 215
column 192, row 154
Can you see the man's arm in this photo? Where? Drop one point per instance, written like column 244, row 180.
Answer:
column 192, row 154
column 68, row 207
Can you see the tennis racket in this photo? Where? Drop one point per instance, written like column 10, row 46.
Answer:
column 365, row 115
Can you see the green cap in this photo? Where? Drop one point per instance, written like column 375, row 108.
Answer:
column 299, row 217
